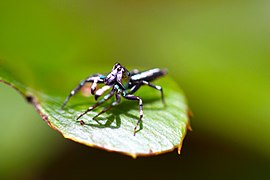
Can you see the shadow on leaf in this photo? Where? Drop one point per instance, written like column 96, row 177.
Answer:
column 116, row 112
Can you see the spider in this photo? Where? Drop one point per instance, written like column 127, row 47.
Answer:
column 121, row 82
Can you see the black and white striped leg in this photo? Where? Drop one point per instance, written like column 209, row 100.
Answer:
column 73, row 92
column 94, row 79
column 100, row 91
column 94, row 86
column 115, row 103
column 136, row 98
column 134, row 88
column 159, row 88
column 105, row 98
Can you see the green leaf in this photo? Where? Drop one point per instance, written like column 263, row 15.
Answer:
column 163, row 127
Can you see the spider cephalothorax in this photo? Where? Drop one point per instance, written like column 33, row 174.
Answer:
column 117, row 74
column 122, row 83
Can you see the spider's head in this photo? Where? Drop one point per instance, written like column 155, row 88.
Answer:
column 119, row 73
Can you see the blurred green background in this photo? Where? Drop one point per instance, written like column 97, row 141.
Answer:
column 218, row 52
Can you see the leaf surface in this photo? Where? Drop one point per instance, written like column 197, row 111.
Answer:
column 163, row 127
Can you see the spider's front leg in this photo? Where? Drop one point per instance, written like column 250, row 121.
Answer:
column 115, row 103
column 136, row 98
column 105, row 98
column 97, row 78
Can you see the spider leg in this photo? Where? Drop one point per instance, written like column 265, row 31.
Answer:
column 136, row 98
column 120, row 85
column 100, row 91
column 134, row 88
column 105, row 98
column 97, row 78
column 159, row 88
column 115, row 103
